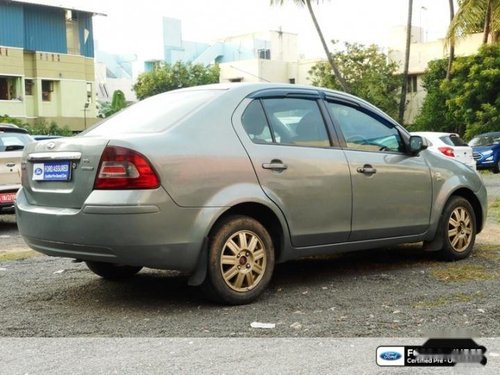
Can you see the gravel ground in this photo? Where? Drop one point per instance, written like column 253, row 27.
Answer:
column 398, row 292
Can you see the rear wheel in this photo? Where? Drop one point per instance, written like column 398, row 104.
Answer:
column 241, row 261
column 112, row 271
column 458, row 228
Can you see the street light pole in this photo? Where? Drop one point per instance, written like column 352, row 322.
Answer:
column 85, row 115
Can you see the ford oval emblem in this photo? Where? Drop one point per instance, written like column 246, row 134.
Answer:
column 50, row 146
column 390, row 356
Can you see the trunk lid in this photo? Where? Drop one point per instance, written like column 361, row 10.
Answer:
column 61, row 172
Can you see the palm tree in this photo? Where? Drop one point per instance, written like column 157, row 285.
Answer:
column 404, row 86
column 331, row 61
column 451, row 57
column 471, row 14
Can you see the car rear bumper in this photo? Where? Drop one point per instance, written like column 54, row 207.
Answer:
column 158, row 234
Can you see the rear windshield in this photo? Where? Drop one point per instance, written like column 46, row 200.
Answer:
column 453, row 140
column 13, row 141
column 154, row 114
column 489, row 139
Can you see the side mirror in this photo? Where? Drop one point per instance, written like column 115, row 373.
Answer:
column 417, row 144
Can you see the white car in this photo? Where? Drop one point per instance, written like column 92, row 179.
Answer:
column 12, row 142
column 451, row 145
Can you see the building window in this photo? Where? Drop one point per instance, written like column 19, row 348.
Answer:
column 72, row 33
column 264, row 54
column 9, row 87
column 28, row 87
column 47, row 90
column 412, row 83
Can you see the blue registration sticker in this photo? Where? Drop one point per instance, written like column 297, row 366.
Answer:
column 52, row 171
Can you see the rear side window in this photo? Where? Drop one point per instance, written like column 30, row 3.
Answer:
column 286, row 121
column 154, row 114
column 453, row 140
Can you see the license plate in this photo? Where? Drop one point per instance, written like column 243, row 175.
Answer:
column 52, row 171
column 7, row 197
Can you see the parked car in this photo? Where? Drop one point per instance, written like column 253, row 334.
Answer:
column 12, row 141
column 451, row 145
column 210, row 181
column 487, row 151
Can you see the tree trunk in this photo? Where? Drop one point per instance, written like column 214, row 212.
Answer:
column 333, row 65
column 487, row 21
column 404, row 86
column 451, row 57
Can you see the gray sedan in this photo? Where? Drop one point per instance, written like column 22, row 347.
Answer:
column 224, row 181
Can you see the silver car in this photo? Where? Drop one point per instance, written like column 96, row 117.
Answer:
column 224, row 181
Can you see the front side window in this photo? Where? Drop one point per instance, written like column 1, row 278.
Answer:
column 363, row 132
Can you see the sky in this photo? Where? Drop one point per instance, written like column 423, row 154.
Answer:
column 135, row 27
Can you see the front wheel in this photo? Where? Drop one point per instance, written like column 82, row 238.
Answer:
column 241, row 261
column 496, row 169
column 458, row 228
column 112, row 271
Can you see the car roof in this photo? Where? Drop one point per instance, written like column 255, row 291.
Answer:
column 252, row 89
column 11, row 128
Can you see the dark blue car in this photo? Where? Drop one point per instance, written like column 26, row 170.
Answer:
column 486, row 148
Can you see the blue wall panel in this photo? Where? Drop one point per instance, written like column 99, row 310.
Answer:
column 45, row 29
column 86, row 46
column 11, row 25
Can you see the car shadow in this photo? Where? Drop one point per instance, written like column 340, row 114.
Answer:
column 161, row 289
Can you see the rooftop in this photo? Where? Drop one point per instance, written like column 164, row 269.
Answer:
column 56, row 4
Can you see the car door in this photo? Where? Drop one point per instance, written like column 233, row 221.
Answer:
column 297, row 167
column 392, row 190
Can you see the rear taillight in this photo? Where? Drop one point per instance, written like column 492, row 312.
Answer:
column 122, row 168
column 448, row 151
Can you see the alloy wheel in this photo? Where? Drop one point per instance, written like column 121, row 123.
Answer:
column 460, row 229
column 243, row 261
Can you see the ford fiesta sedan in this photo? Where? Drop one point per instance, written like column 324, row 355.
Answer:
column 225, row 181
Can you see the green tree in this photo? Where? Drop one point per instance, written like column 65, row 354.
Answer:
column 467, row 104
column 118, row 102
column 336, row 71
column 471, row 15
column 434, row 116
column 166, row 77
column 367, row 72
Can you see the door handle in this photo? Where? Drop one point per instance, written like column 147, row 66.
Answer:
column 275, row 165
column 10, row 165
column 366, row 169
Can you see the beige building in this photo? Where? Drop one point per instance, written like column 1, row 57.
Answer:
column 274, row 58
column 421, row 53
column 47, row 64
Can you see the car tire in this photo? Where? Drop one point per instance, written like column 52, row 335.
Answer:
column 496, row 169
column 240, row 261
column 458, row 229
column 112, row 271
